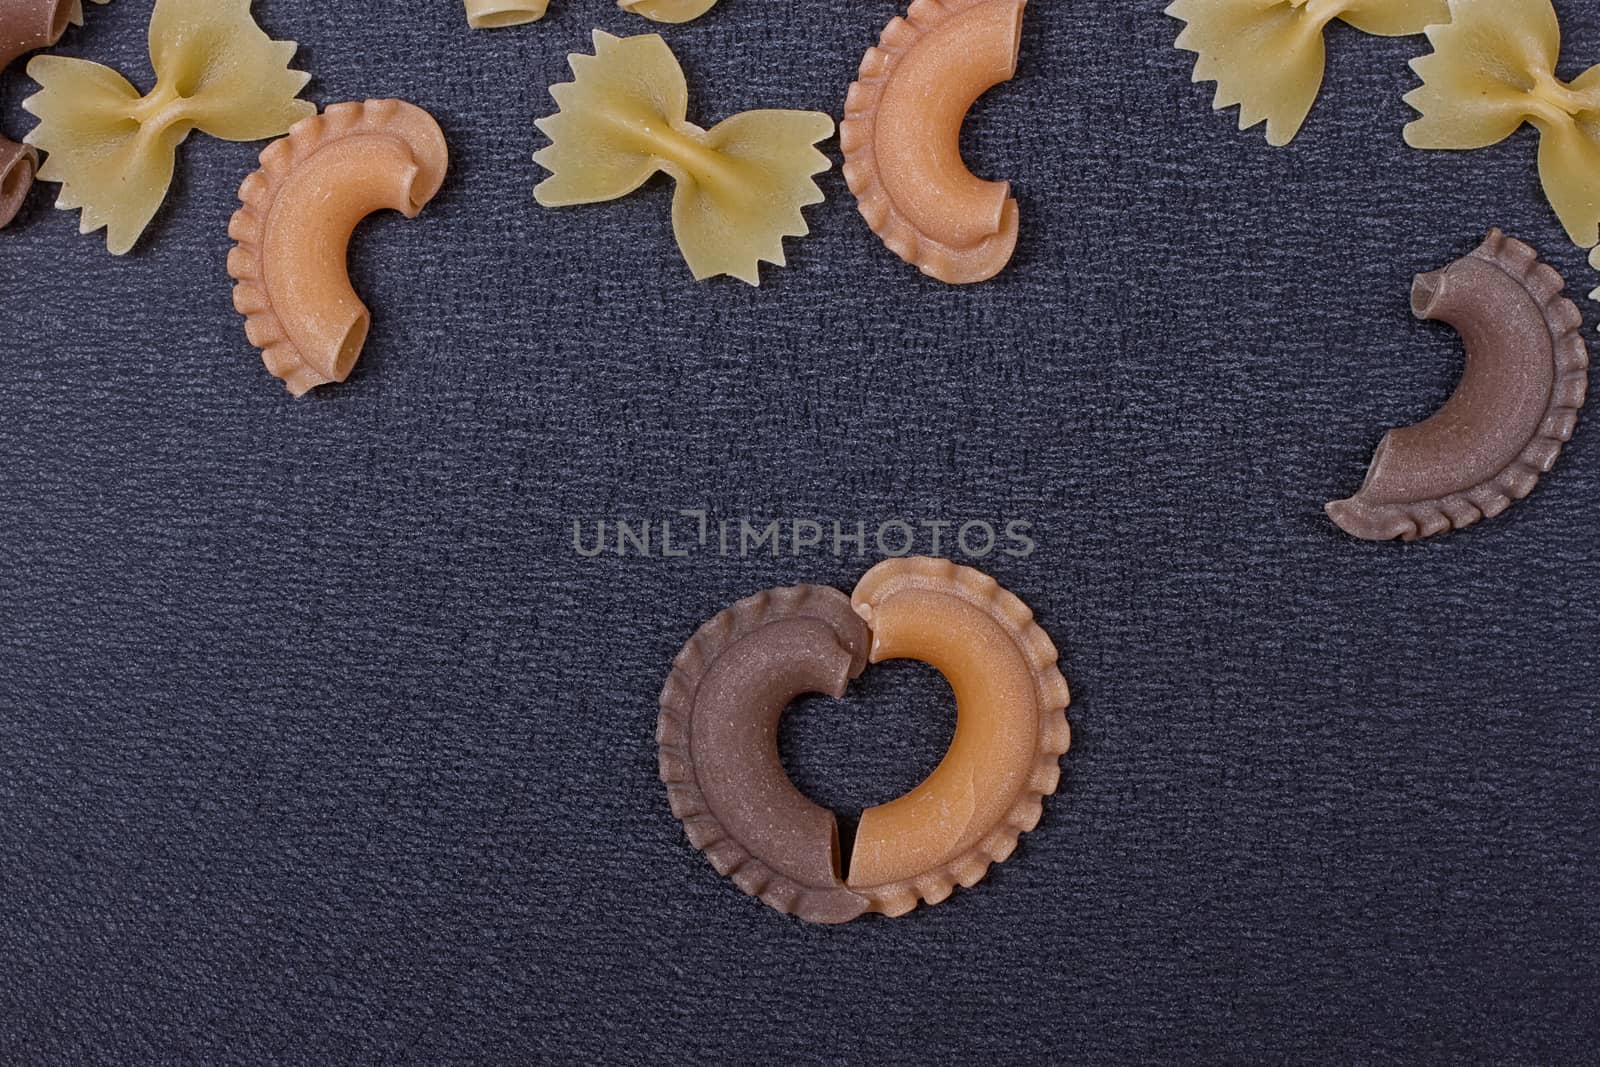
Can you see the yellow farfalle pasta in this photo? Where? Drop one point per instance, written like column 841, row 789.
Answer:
column 492, row 14
column 1267, row 55
column 113, row 150
column 668, row 10
column 740, row 185
column 1492, row 69
column 299, row 212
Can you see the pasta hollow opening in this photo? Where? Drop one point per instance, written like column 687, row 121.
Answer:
column 349, row 350
column 16, row 178
column 61, row 18
column 498, row 14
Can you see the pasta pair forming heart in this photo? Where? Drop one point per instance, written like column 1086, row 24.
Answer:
column 113, row 151
column 1493, row 69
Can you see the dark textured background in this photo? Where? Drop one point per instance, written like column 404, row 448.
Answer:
column 319, row 743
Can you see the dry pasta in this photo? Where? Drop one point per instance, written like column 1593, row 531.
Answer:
column 901, row 137
column 300, row 209
column 741, row 185
column 1267, row 56
column 113, row 150
column 492, row 14
column 1493, row 69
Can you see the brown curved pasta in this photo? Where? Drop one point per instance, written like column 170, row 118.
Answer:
column 18, row 165
column 901, row 137
column 26, row 25
column 719, row 752
column 314, row 187
column 1526, row 379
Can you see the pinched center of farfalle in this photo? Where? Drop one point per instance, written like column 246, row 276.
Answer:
column 681, row 149
column 1268, row 58
column 1320, row 12
column 1554, row 101
column 163, row 108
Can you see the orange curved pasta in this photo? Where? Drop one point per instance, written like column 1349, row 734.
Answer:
column 1011, row 731
column 901, row 137
column 300, row 209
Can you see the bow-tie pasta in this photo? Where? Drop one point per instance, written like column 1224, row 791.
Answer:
column 113, row 150
column 1492, row 69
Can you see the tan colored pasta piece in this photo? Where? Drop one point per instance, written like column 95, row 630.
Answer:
column 1267, row 56
column 1493, row 69
column 1011, row 731
column 901, row 137
column 668, row 10
column 493, row 14
column 113, row 151
column 293, row 232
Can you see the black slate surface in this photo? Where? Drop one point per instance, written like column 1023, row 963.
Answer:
column 320, row 743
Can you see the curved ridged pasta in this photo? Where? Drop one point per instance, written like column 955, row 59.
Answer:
column 1516, row 407
column 493, row 14
column 293, row 232
column 741, row 185
column 1011, row 731
column 1492, row 69
column 113, row 150
column 668, row 10
column 1268, row 57
column 27, row 25
column 901, row 137
column 717, row 740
